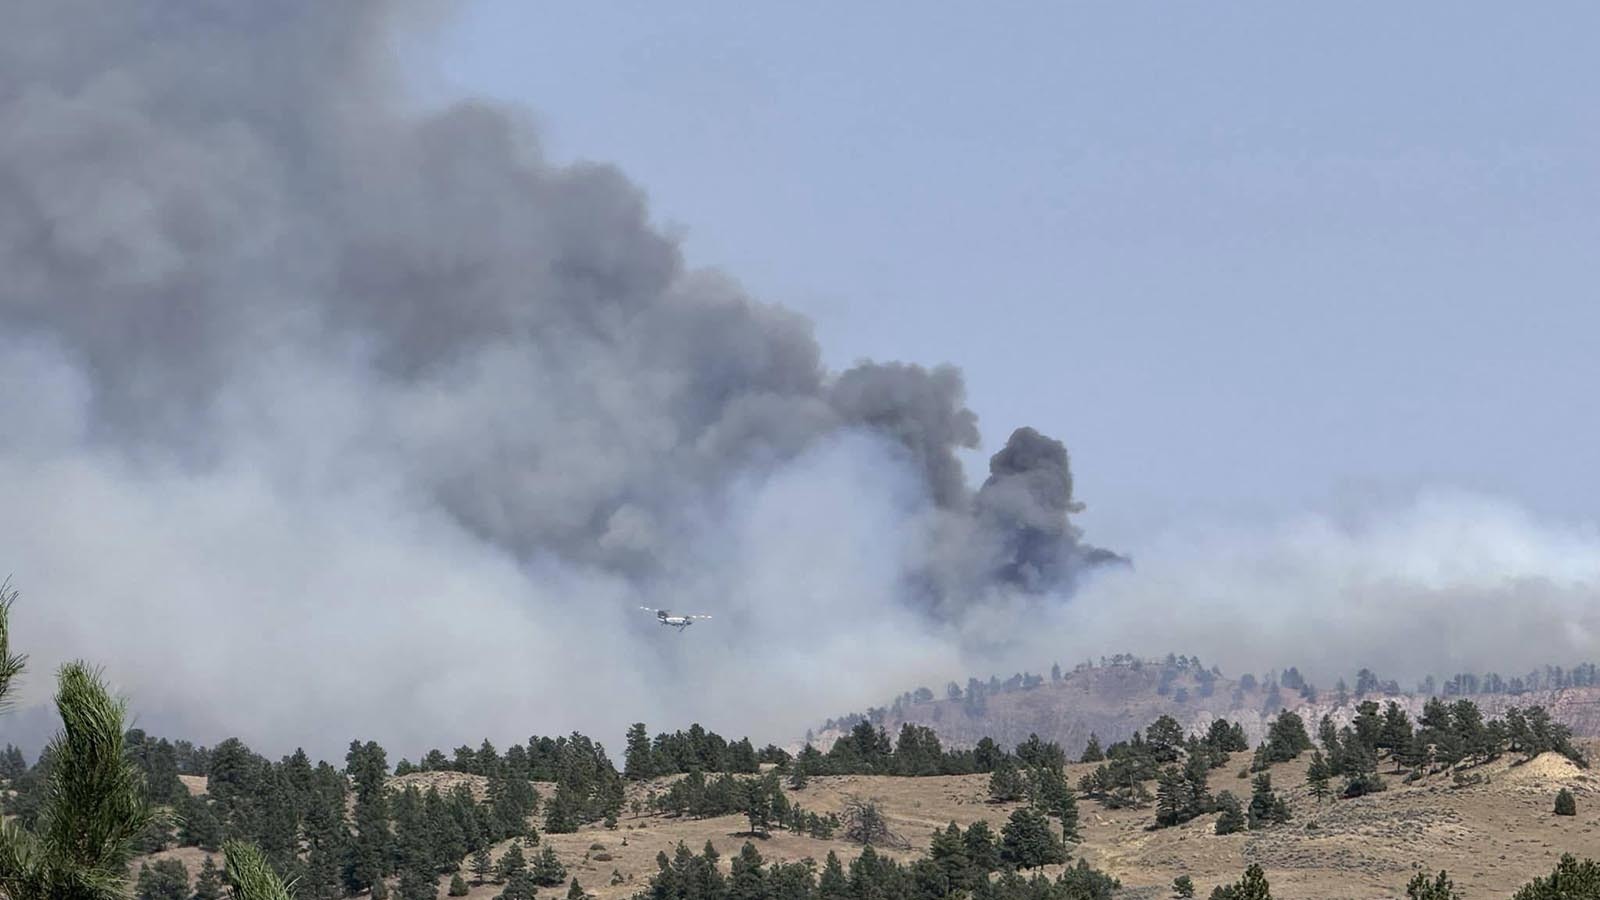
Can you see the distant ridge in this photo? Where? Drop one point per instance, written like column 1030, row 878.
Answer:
column 1114, row 698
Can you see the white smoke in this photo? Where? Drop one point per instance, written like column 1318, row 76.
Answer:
column 1448, row 582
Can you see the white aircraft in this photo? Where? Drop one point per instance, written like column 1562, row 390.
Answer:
column 667, row 618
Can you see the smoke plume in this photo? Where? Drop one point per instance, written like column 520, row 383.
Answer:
column 327, row 415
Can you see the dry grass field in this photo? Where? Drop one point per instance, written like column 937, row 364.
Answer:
column 1492, row 836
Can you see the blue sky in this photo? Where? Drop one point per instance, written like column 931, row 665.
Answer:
column 1244, row 259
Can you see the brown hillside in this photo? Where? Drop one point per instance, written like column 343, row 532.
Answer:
column 1492, row 836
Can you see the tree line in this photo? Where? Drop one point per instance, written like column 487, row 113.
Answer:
column 974, row 863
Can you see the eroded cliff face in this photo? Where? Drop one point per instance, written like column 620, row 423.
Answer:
column 1112, row 702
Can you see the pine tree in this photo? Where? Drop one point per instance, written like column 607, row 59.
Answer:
column 547, row 868
column 168, row 879
column 1091, row 751
column 1170, row 806
column 198, row 825
column 983, row 848
column 209, row 884
column 1027, row 841
column 417, row 883
column 1196, row 797
column 748, row 881
column 519, row 887
column 1183, row 887
column 512, row 863
column 1232, row 819
column 1253, row 886
column 1266, row 807
column 94, row 805
column 372, row 851
column 948, row 851
column 1006, row 783
column 1317, row 775
column 832, row 884
column 639, row 760
column 482, row 864
column 459, row 886
column 576, row 891
column 1416, row 754
column 1440, row 888
column 758, row 808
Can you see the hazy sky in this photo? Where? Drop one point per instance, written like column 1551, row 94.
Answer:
column 349, row 384
column 1242, row 259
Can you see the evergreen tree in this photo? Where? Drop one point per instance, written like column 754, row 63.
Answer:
column 482, row 864
column 250, row 877
column 1416, row 754
column 1027, row 841
column 1006, row 783
column 798, row 777
column 1566, row 804
column 748, row 881
column 547, row 869
column 372, row 850
column 1170, row 806
column 1440, row 888
column 983, row 847
column 1266, row 807
column 93, row 804
column 563, row 810
column 832, row 884
column 511, row 863
column 168, row 879
column 1183, row 888
column 1164, row 739
column 638, row 762
column 208, row 885
column 1253, row 886
column 575, row 892
column 948, row 851
column 1286, row 737
column 1196, row 798
column 519, row 887
column 1091, row 751
column 1571, row 880
column 1317, row 775
column 459, row 886
column 417, row 884
column 1232, row 819
column 1397, row 731
column 758, row 807
column 327, row 837
column 198, row 825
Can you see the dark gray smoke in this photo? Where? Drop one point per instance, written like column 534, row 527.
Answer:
column 250, row 296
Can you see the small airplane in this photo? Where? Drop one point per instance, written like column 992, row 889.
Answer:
column 667, row 618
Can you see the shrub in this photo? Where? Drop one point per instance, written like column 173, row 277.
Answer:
column 1566, row 804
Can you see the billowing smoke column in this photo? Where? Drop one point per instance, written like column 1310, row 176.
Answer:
column 254, row 309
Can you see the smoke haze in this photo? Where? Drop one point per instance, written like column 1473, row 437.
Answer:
column 330, row 417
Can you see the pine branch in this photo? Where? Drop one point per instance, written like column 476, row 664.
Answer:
column 94, row 803
column 10, row 664
column 250, row 876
